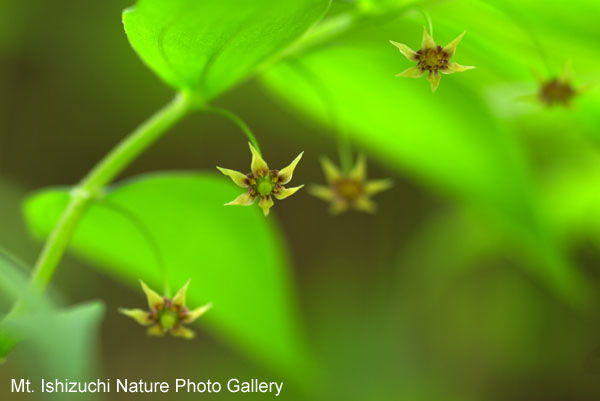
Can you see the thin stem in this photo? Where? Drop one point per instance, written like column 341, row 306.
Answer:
column 427, row 17
column 236, row 120
column 147, row 234
column 343, row 139
column 92, row 185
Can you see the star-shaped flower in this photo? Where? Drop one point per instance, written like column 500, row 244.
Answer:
column 262, row 182
column 556, row 91
column 431, row 58
column 165, row 314
column 349, row 190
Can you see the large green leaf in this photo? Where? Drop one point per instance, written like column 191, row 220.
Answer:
column 63, row 342
column 207, row 46
column 450, row 140
column 233, row 255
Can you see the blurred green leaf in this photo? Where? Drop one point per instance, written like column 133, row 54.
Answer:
column 233, row 254
column 64, row 341
column 449, row 140
column 208, row 46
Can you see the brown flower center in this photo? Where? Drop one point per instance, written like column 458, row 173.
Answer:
column 348, row 189
column 432, row 59
column 556, row 92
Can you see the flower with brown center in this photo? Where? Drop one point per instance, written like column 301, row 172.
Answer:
column 262, row 182
column 432, row 59
column 556, row 91
column 350, row 190
column 166, row 314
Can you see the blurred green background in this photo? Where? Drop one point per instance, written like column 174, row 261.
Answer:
column 476, row 279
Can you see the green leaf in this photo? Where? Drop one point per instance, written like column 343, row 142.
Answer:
column 207, row 46
column 65, row 341
column 233, row 254
column 449, row 140
column 62, row 341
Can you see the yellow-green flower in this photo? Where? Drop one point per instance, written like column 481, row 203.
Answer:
column 350, row 190
column 262, row 182
column 556, row 91
column 166, row 314
column 432, row 59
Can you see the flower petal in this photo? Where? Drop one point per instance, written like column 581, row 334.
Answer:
column 365, row 204
column 154, row 300
column 156, row 331
column 450, row 48
column 237, row 177
column 332, row 173
column 259, row 166
column 285, row 175
column 322, row 192
column 434, row 79
column 567, row 73
column 266, row 203
column 140, row 316
column 455, row 67
column 412, row 72
column 375, row 186
column 179, row 298
column 245, row 199
column 338, row 207
column 359, row 171
column 427, row 42
column 405, row 50
column 286, row 192
column 535, row 99
column 183, row 332
column 196, row 313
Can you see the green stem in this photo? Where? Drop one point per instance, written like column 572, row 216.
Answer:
column 93, row 184
column 145, row 231
column 427, row 18
column 343, row 140
column 238, row 121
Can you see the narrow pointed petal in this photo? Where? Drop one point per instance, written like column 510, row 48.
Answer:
column 244, row 199
column 332, row 173
column 321, row 192
column 140, row 316
column 338, row 207
column 237, row 177
column 412, row 72
column 375, row 186
column 359, row 171
column 434, row 79
column 179, row 298
column 450, row 48
column 259, row 166
column 427, row 42
column 196, row 313
column 156, row 331
column 538, row 76
column 287, row 192
column 285, row 175
column 365, row 204
column 266, row 203
column 585, row 88
column 455, row 67
column 405, row 50
column 535, row 99
column 567, row 73
column 183, row 332
column 153, row 298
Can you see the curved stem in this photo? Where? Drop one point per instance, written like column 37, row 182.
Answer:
column 236, row 120
column 427, row 17
column 343, row 139
column 104, row 172
column 147, row 234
